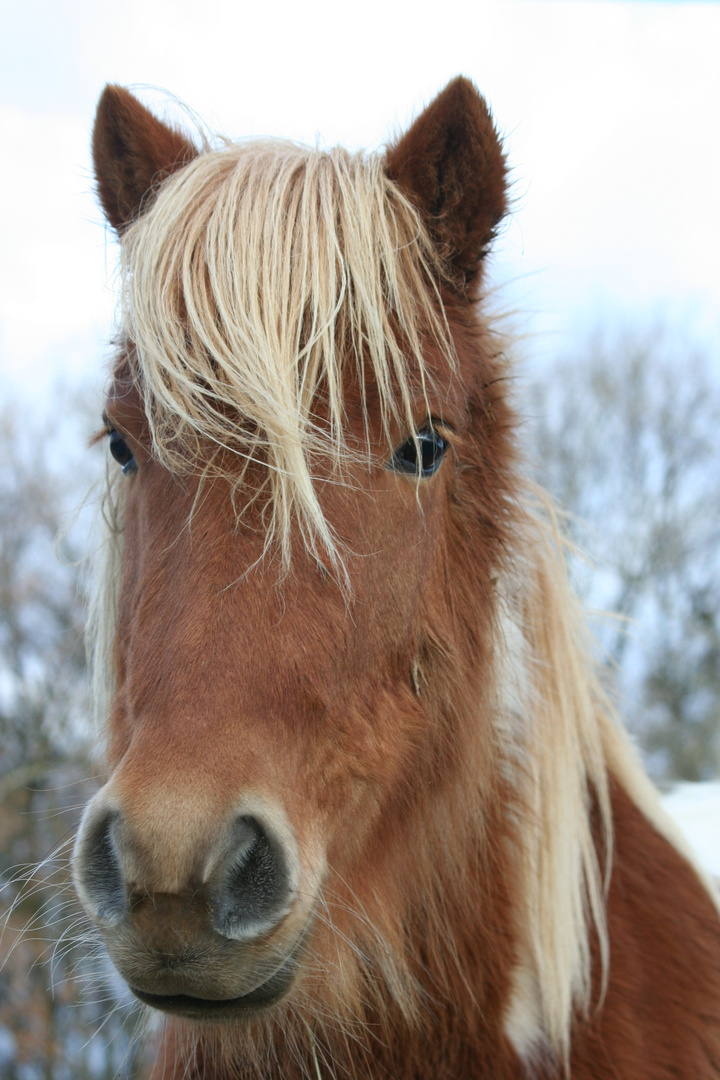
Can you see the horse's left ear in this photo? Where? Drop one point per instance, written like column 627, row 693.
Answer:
column 133, row 152
column 450, row 164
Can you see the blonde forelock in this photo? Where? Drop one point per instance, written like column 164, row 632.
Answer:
column 259, row 276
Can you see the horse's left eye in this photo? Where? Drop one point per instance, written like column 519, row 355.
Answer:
column 420, row 457
column 122, row 453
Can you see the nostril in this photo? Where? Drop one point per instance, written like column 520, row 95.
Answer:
column 254, row 888
column 98, row 875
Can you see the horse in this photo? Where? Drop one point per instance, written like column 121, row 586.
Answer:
column 369, row 811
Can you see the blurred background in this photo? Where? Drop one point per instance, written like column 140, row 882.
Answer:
column 606, row 274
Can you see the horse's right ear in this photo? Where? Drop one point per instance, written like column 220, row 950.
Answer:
column 451, row 166
column 133, row 152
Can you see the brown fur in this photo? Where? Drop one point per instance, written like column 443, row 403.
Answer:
column 660, row 1018
column 359, row 710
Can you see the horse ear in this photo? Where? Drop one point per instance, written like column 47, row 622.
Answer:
column 133, row 152
column 451, row 166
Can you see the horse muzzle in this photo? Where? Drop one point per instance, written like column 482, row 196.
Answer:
column 219, row 939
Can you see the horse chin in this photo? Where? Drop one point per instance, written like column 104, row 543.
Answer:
column 224, row 1010
column 218, row 995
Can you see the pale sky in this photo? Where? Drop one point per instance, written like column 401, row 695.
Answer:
column 610, row 112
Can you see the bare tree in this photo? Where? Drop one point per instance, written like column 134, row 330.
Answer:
column 56, row 1021
column 628, row 433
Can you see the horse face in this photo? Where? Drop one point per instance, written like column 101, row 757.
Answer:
column 260, row 731
column 270, row 736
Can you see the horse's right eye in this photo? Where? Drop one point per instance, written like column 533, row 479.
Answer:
column 420, row 456
column 122, row 453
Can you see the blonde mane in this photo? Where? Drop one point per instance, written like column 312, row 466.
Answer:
column 260, row 278
column 554, row 732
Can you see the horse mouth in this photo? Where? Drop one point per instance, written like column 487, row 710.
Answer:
column 214, row 1010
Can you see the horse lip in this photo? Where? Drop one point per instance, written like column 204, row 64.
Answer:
column 212, row 1010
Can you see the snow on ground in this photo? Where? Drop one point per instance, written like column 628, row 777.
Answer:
column 696, row 810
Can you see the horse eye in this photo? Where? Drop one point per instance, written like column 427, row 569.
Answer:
column 122, row 453
column 420, row 457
